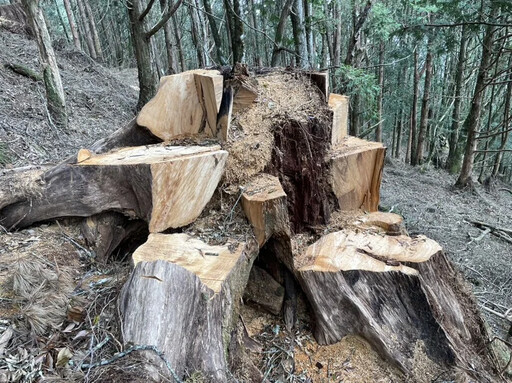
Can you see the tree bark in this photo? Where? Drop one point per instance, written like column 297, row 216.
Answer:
column 472, row 121
column 94, row 31
column 454, row 154
column 378, row 131
column 55, row 97
column 280, row 32
column 196, row 39
column 87, row 30
column 411, row 144
column 215, row 32
column 299, row 34
column 168, row 43
column 418, row 159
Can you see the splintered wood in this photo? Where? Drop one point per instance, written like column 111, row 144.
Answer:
column 356, row 173
column 186, row 105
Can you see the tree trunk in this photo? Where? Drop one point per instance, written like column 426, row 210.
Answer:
column 178, row 35
column 378, row 131
column 215, row 32
column 87, row 30
column 299, row 34
column 168, row 43
column 411, row 145
column 280, row 32
column 418, row 159
column 472, row 121
column 454, row 154
column 196, row 39
column 94, row 31
column 55, row 97
column 61, row 20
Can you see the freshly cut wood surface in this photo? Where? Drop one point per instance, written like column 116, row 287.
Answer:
column 167, row 304
column 348, row 250
column 391, row 223
column 264, row 204
column 339, row 107
column 356, row 173
column 185, row 105
column 167, row 186
column 212, row 264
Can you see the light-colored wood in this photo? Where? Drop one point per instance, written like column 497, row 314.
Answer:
column 339, row 107
column 391, row 223
column 167, row 186
column 209, row 89
column 178, row 110
column 264, row 204
column 168, row 301
column 349, row 250
column 83, row 154
column 212, row 264
column 356, row 173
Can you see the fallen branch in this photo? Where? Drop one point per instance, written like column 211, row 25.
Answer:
column 24, row 71
column 500, row 232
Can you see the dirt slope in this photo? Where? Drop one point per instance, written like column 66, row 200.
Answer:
column 98, row 100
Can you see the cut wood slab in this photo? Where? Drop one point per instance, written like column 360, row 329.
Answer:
column 356, row 173
column 264, row 204
column 398, row 293
column 167, row 186
column 185, row 105
column 390, row 223
column 183, row 297
column 339, row 107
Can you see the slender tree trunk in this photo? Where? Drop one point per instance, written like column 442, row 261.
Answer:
column 168, row 43
column 235, row 28
column 378, row 131
column 454, row 155
column 177, row 33
column 61, row 20
column 87, row 29
column 72, row 25
column 418, row 159
column 473, row 119
column 55, row 98
column 215, row 32
column 195, row 37
column 299, row 34
column 94, row 31
column 310, row 41
column 506, row 124
column 280, row 31
column 411, row 144
column 400, row 125
column 356, row 33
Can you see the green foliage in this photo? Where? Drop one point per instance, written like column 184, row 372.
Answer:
column 382, row 22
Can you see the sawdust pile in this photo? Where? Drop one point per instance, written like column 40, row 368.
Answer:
column 282, row 96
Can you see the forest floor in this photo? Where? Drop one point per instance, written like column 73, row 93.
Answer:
column 101, row 100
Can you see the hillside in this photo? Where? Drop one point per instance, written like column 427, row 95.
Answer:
column 101, row 100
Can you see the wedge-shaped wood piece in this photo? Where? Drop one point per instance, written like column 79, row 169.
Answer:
column 399, row 293
column 167, row 186
column 339, row 107
column 185, row 105
column 321, row 80
column 356, row 173
column 183, row 297
column 390, row 223
column 264, row 203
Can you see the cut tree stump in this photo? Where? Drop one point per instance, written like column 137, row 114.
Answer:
column 167, row 186
column 399, row 293
column 183, row 297
column 264, row 204
column 356, row 173
column 339, row 107
column 185, row 105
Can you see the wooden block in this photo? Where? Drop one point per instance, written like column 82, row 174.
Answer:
column 264, row 203
column 356, row 173
column 321, row 80
column 184, row 297
column 167, row 186
column 185, row 105
column 339, row 106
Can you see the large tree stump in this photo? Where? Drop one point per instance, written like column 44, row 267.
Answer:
column 167, row 186
column 398, row 293
column 183, row 297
